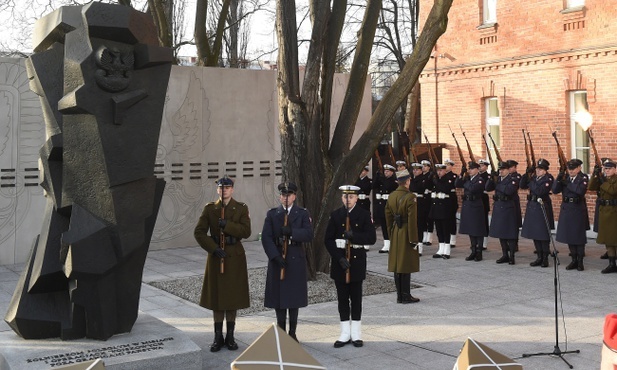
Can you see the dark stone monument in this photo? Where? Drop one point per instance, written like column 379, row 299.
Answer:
column 102, row 80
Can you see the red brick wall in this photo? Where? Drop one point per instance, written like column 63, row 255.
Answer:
column 539, row 55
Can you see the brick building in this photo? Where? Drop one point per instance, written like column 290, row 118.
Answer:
column 503, row 66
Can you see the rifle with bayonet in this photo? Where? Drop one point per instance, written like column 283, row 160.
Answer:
column 527, row 154
column 460, row 153
column 488, row 152
column 531, row 151
column 563, row 162
column 473, row 158
column 496, row 150
column 378, row 157
column 593, row 147
column 431, row 152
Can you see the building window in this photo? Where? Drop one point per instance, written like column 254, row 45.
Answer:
column 489, row 11
column 493, row 123
column 578, row 116
column 574, row 3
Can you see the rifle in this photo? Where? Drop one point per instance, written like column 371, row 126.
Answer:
column 285, row 241
column 527, row 156
column 391, row 154
column 378, row 160
column 431, row 152
column 533, row 156
column 560, row 154
column 413, row 154
column 495, row 147
column 460, row 152
column 593, row 146
column 473, row 158
column 488, row 152
column 406, row 155
column 222, row 234
column 348, row 243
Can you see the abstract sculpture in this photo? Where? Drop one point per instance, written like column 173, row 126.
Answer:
column 102, row 80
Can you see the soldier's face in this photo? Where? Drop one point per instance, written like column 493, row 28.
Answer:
column 473, row 171
column 574, row 172
column 441, row 172
column 503, row 172
column 425, row 169
column 540, row 171
column 512, row 169
column 417, row 171
column 483, row 168
column 349, row 200
column 364, row 173
column 610, row 171
column 225, row 192
column 287, row 199
column 388, row 173
column 401, row 167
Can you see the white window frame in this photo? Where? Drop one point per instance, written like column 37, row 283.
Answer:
column 489, row 11
column 574, row 4
column 492, row 121
column 577, row 133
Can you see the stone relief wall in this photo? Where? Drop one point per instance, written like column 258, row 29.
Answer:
column 215, row 122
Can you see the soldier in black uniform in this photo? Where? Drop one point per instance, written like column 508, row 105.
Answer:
column 441, row 209
column 290, row 293
column 420, row 186
column 353, row 225
column 517, row 200
column 485, row 201
column 400, row 165
column 366, row 185
column 454, row 200
column 383, row 185
column 505, row 220
column 539, row 182
column 428, row 173
column 472, row 211
column 573, row 216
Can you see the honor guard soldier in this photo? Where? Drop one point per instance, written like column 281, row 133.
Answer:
column 517, row 200
column 349, row 234
column 421, row 186
column 400, row 165
column 505, row 220
column 472, row 211
column 606, row 185
column 441, row 209
column 454, row 200
column 428, row 173
column 366, row 185
column 225, row 288
column 573, row 216
column 383, row 186
column 285, row 229
column 483, row 172
column 401, row 216
column 539, row 182
column 596, row 214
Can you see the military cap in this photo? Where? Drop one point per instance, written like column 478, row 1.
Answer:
column 574, row 163
column 609, row 163
column 389, row 167
column 416, row 165
column 472, row 164
column 349, row 189
column 511, row 163
column 425, row 162
column 440, row 166
column 543, row 164
column 503, row 165
column 287, row 188
column 224, row 181
column 484, row 162
column 448, row 161
column 401, row 163
column 402, row 175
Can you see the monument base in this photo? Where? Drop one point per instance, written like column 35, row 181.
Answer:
column 152, row 344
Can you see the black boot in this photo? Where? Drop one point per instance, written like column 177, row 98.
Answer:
column 405, row 284
column 513, row 249
column 397, row 283
column 472, row 256
column 218, row 342
column 580, row 266
column 538, row 260
column 611, row 266
column 478, row 255
column 574, row 263
column 504, row 258
column 545, row 259
column 230, row 342
column 604, row 256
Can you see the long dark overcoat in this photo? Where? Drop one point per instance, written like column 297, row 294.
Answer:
column 441, row 209
column 383, row 186
column 292, row 292
column 472, row 211
column 485, row 199
column 573, row 215
column 534, row 225
column 229, row 290
column 607, row 212
column 505, row 220
column 403, row 258
column 361, row 225
column 453, row 202
column 517, row 200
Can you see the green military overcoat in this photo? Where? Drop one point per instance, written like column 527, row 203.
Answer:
column 607, row 226
column 229, row 290
column 403, row 258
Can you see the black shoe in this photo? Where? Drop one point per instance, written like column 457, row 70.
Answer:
column 452, row 245
column 445, row 256
column 218, row 343
column 604, row 256
column 339, row 344
column 503, row 259
column 572, row 265
column 357, row 343
column 471, row 257
column 231, row 344
column 478, row 257
column 609, row 270
column 483, row 248
column 437, row 255
column 544, row 261
column 537, row 262
column 409, row 299
column 427, row 243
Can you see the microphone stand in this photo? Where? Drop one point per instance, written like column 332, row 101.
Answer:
column 556, row 350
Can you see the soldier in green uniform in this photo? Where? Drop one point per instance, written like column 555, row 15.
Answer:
column 401, row 219
column 225, row 289
column 606, row 185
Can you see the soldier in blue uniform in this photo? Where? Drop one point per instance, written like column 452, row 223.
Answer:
column 485, row 200
column 383, row 185
column 517, row 200
column 428, row 173
column 441, row 209
column 420, row 186
column 472, row 211
column 539, row 182
column 292, row 224
column 573, row 215
column 366, row 185
column 353, row 225
column 454, row 200
column 505, row 220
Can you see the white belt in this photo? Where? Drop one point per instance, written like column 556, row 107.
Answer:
column 427, row 191
column 419, row 195
column 439, row 195
column 453, row 190
column 362, row 196
column 377, row 196
column 385, row 196
column 342, row 244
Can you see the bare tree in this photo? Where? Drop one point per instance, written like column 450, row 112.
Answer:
column 309, row 157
